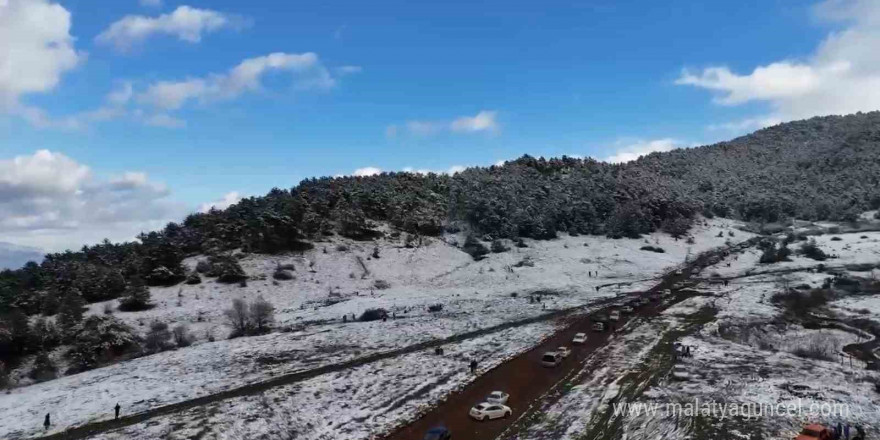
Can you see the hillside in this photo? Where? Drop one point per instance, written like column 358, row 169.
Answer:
column 818, row 169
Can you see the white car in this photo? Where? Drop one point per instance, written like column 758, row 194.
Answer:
column 563, row 351
column 488, row 411
column 579, row 338
column 614, row 316
column 551, row 359
column 627, row 309
column 499, row 397
column 679, row 272
column 599, row 327
column 666, row 293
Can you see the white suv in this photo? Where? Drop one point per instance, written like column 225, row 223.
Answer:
column 551, row 359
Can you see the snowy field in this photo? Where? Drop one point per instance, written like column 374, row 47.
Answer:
column 745, row 357
column 353, row 404
column 336, row 279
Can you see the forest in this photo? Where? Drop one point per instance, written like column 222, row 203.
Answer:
column 824, row 168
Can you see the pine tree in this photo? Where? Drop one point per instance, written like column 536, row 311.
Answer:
column 136, row 297
column 71, row 310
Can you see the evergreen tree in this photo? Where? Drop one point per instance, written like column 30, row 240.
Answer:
column 136, row 297
column 71, row 310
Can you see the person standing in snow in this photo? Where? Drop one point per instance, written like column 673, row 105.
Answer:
column 473, row 366
column 846, row 431
column 117, row 408
column 46, row 422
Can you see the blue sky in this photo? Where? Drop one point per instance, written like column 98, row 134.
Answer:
column 395, row 85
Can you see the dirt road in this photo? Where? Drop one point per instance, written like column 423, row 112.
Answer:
column 526, row 380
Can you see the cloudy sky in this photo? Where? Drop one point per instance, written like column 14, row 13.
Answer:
column 119, row 118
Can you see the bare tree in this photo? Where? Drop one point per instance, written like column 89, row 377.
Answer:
column 182, row 336
column 238, row 317
column 262, row 314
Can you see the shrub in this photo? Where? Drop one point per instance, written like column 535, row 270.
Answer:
column 474, row 248
column 247, row 319
column 182, row 336
column 836, row 239
column 158, row 338
column 237, row 317
column 193, row 278
column 374, row 314
column 136, row 297
column 525, row 262
column 341, row 248
column 811, row 250
column 99, row 338
column 657, row 249
column 44, row 369
column 381, row 284
column 498, row 246
column 203, row 266
column 108, row 308
column 288, row 266
column 162, row 276
column 375, row 252
column 435, row 308
column 520, row 243
column 227, row 269
column 801, row 303
column 282, row 275
column 819, row 347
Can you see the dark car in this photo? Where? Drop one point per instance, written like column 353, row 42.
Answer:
column 438, row 433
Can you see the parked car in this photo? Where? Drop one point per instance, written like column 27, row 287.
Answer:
column 551, row 359
column 563, row 351
column 627, row 309
column 614, row 316
column 814, row 432
column 666, row 293
column 679, row 272
column 579, row 338
column 644, row 301
column 599, row 327
column 438, row 433
column 499, row 397
column 489, row 411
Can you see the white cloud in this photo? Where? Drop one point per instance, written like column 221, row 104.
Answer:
column 348, row 70
column 423, row 128
column 226, row 201
column 186, row 23
column 150, row 3
column 245, row 77
column 366, row 171
column 53, row 202
column 164, row 120
column 629, row 151
column 450, row 171
column 483, row 121
column 842, row 76
column 36, row 49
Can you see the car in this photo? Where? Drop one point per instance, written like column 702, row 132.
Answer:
column 614, row 316
column 600, row 318
column 551, row 359
column 438, row 433
column 679, row 272
column 666, row 293
column 599, row 327
column 814, row 432
column 627, row 309
column 489, row 411
column 579, row 338
column 644, row 301
column 499, row 397
column 563, row 351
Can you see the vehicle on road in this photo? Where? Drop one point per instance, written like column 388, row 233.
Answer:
column 665, row 293
column 563, row 351
column 579, row 338
column 627, row 309
column 551, row 359
column 438, row 433
column 614, row 316
column 644, row 301
column 489, row 411
column 655, row 297
column 599, row 327
column 600, row 318
column 499, row 397
column 679, row 272
column 814, row 431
